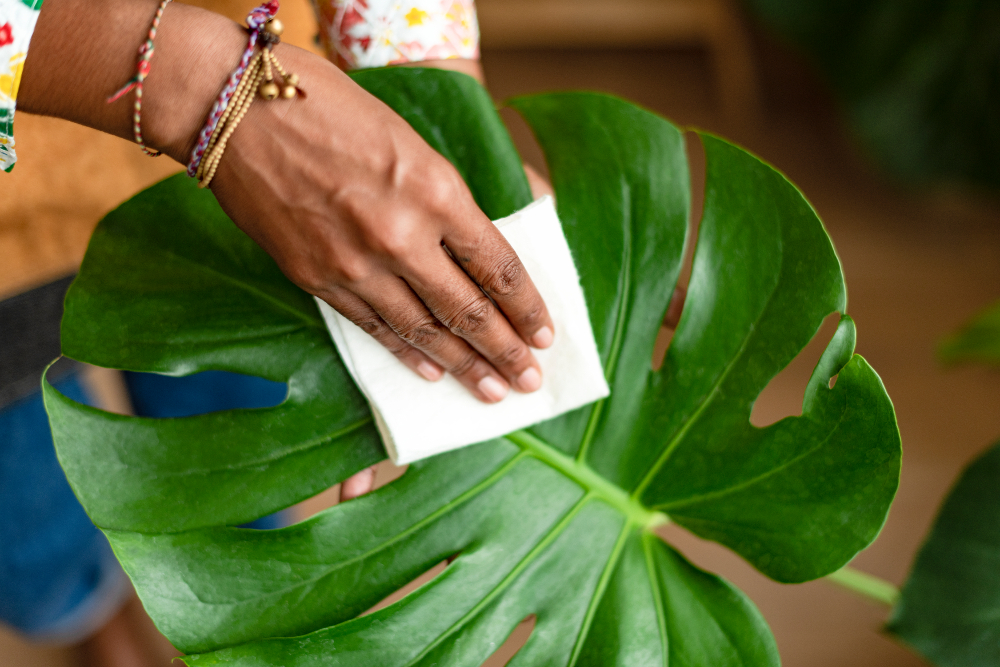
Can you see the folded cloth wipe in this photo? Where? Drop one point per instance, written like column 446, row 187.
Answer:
column 417, row 418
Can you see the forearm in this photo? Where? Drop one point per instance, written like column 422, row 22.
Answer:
column 84, row 50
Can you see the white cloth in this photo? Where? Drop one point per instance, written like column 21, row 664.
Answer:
column 417, row 418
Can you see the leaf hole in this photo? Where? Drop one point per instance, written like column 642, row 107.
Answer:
column 675, row 309
column 107, row 389
column 401, row 593
column 514, row 643
column 782, row 397
column 666, row 333
column 386, row 472
column 167, row 396
column 524, row 140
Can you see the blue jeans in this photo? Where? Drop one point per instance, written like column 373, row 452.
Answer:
column 59, row 581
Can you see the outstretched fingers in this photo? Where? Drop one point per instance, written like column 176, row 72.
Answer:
column 464, row 309
column 364, row 316
column 413, row 323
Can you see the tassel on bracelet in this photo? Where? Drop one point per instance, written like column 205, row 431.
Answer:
column 258, row 74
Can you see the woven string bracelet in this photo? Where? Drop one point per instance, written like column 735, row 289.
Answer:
column 136, row 82
column 252, row 77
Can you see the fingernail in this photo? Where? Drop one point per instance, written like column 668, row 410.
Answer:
column 530, row 380
column 542, row 338
column 357, row 484
column 429, row 371
column 492, row 388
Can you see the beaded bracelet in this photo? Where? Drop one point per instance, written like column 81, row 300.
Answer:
column 136, row 82
column 254, row 75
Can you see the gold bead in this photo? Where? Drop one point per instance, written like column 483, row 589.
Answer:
column 288, row 92
column 275, row 27
column 292, row 79
column 269, row 90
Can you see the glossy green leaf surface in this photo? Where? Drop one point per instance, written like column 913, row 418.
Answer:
column 949, row 609
column 977, row 341
column 556, row 521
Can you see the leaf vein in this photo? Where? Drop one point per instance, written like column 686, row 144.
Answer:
column 753, row 480
column 690, row 421
column 618, row 338
column 430, row 518
column 599, row 590
column 507, row 580
column 654, row 585
column 273, row 456
column 244, row 286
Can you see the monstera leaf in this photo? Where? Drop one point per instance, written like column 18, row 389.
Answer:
column 949, row 609
column 978, row 340
column 556, row 521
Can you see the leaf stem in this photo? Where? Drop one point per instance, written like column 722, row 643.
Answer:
column 593, row 483
column 865, row 585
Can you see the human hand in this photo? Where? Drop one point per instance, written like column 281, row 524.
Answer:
column 352, row 204
column 357, row 209
column 347, row 198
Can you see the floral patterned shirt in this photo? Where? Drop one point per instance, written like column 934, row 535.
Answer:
column 356, row 33
column 359, row 34
column 17, row 22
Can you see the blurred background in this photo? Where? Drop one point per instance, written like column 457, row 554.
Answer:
column 885, row 113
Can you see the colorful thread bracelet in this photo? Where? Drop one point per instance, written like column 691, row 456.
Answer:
column 136, row 82
column 254, row 75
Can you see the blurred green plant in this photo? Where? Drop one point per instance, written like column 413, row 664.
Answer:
column 919, row 80
column 977, row 341
column 557, row 521
column 949, row 609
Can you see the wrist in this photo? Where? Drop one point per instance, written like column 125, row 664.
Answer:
column 84, row 50
column 196, row 51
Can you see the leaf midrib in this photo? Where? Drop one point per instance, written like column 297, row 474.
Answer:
column 590, row 481
column 718, row 493
column 618, row 337
column 245, row 286
column 298, row 449
column 430, row 518
column 709, row 397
